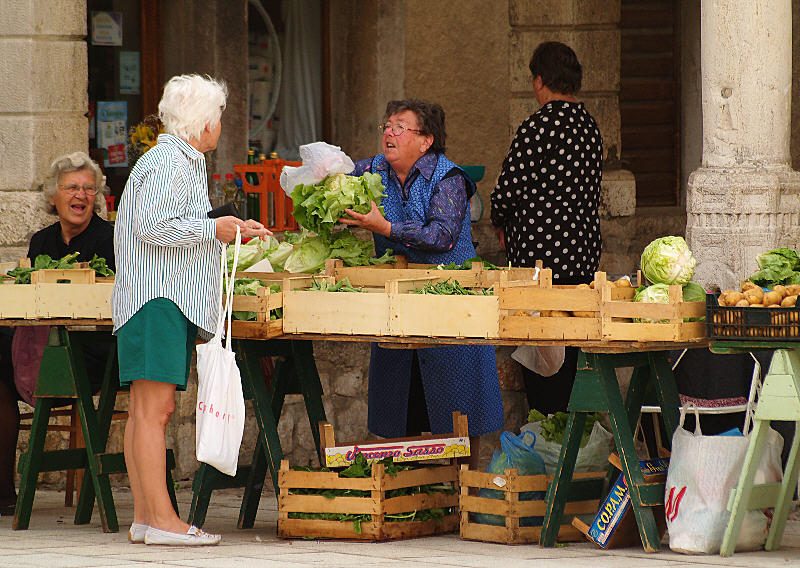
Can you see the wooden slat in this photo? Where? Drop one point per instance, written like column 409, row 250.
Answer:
column 322, row 504
column 423, row 476
column 322, row 480
column 418, row 502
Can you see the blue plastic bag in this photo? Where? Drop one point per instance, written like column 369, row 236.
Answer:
column 517, row 453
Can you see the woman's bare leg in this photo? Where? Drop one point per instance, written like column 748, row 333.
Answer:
column 154, row 403
column 141, row 514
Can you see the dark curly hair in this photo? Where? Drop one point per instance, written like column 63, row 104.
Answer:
column 558, row 67
column 430, row 117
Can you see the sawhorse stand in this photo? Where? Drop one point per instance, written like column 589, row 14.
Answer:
column 596, row 389
column 295, row 373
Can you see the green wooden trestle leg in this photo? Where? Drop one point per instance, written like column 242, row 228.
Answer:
column 295, row 373
column 62, row 374
column 596, row 389
column 779, row 400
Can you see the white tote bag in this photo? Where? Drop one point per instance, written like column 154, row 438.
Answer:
column 220, row 402
column 702, row 471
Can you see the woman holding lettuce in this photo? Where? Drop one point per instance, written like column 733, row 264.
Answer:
column 427, row 219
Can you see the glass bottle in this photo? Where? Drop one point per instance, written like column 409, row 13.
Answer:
column 216, row 196
column 253, row 199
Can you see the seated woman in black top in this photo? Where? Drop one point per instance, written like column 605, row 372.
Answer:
column 73, row 189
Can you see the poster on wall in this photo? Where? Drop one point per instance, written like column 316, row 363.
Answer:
column 129, row 77
column 112, row 128
column 106, row 28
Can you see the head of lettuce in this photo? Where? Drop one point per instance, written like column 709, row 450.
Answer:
column 668, row 260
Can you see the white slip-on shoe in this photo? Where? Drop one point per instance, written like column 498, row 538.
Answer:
column 193, row 537
column 136, row 533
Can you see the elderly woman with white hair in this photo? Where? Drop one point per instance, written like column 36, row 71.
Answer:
column 167, row 289
column 73, row 189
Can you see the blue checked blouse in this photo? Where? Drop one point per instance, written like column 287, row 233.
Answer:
column 164, row 243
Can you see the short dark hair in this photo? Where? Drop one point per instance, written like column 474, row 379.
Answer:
column 558, row 67
column 430, row 117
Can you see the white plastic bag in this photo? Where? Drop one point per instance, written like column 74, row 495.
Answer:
column 220, row 401
column 592, row 457
column 320, row 160
column 543, row 359
column 702, row 471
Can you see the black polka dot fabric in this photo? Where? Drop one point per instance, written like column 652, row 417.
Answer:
column 548, row 192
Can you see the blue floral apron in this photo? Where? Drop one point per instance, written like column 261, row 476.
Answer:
column 454, row 378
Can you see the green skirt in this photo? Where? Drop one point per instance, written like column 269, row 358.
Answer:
column 156, row 344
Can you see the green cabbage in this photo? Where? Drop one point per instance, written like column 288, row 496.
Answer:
column 659, row 294
column 778, row 266
column 668, row 260
column 277, row 256
column 308, row 255
column 251, row 252
column 319, row 207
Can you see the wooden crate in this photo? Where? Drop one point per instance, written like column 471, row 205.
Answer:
column 519, row 303
column 375, row 502
column 377, row 505
column 264, row 304
column 379, row 275
column 349, row 313
column 431, row 315
column 72, row 293
column 512, row 509
column 617, row 317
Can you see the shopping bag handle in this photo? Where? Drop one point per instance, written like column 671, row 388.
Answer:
column 691, row 406
column 230, row 280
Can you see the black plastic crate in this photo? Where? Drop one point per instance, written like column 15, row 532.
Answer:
column 771, row 324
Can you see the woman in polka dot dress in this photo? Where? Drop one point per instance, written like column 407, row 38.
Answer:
column 544, row 206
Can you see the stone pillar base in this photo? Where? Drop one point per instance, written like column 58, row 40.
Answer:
column 735, row 214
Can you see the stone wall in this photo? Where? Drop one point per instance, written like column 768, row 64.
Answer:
column 43, row 101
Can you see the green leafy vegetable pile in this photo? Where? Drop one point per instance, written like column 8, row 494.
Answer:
column 467, row 265
column 553, row 428
column 361, row 468
column 249, row 287
column 98, row 264
column 45, row 262
column 777, row 266
column 452, row 288
column 340, row 286
column 319, row 207
column 305, row 252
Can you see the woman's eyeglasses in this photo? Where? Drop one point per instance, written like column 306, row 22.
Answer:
column 73, row 189
column 397, row 129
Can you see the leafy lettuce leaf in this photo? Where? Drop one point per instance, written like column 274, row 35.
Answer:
column 319, row 207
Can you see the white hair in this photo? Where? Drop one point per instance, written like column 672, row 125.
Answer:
column 190, row 103
column 72, row 163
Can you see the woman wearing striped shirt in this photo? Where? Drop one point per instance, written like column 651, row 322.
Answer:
column 166, row 290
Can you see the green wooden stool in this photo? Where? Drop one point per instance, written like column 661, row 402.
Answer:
column 596, row 389
column 62, row 375
column 295, row 373
column 779, row 400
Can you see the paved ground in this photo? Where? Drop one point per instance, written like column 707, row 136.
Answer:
column 54, row 542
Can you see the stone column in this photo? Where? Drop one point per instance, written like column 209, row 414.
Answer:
column 43, row 102
column 743, row 199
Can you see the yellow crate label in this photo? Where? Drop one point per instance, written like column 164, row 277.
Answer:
column 414, row 450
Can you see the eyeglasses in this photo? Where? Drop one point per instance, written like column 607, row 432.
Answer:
column 73, row 189
column 397, row 129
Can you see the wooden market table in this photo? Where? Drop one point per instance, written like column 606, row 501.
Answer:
column 62, row 375
column 596, row 389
